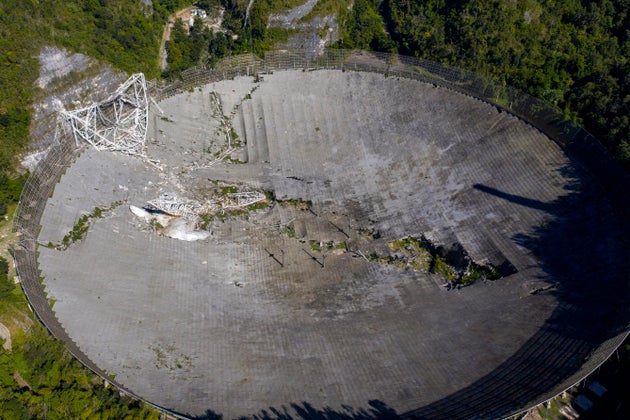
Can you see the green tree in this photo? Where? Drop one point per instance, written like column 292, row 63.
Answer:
column 363, row 27
column 10, row 190
column 6, row 284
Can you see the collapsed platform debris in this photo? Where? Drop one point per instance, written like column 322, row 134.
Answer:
column 181, row 218
column 117, row 124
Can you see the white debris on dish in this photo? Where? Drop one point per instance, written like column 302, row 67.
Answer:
column 173, row 226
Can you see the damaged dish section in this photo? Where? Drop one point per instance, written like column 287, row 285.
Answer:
column 187, row 220
column 175, row 227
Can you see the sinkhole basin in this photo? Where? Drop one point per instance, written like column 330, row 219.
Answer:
column 295, row 309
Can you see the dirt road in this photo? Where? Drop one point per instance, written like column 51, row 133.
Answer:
column 166, row 34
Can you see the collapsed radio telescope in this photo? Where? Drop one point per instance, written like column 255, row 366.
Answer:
column 117, row 124
column 286, row 300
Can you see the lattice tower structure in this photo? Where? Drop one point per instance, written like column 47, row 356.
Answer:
column 117, row 124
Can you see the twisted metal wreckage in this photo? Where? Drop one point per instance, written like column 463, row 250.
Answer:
column 119, row 124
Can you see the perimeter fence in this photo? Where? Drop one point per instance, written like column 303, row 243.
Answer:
column 574, row 139
column 542, row 115
column 39, row 186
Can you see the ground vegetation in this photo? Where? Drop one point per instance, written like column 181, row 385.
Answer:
column 40, row 379
column 454, row 265
column 10, row 190
column 363, row 27
column 245, row 29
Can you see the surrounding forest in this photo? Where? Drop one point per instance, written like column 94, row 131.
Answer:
column 573, row 53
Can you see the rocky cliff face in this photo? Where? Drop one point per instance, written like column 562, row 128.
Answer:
column 66, row 81
column 314, row 33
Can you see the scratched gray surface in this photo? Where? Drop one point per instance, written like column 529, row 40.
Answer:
column 222, row 326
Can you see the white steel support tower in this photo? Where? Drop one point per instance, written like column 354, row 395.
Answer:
column 117, row 124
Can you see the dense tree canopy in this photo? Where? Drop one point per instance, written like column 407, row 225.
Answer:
column 40, row 379
column 185, row 49
column 363, row 27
